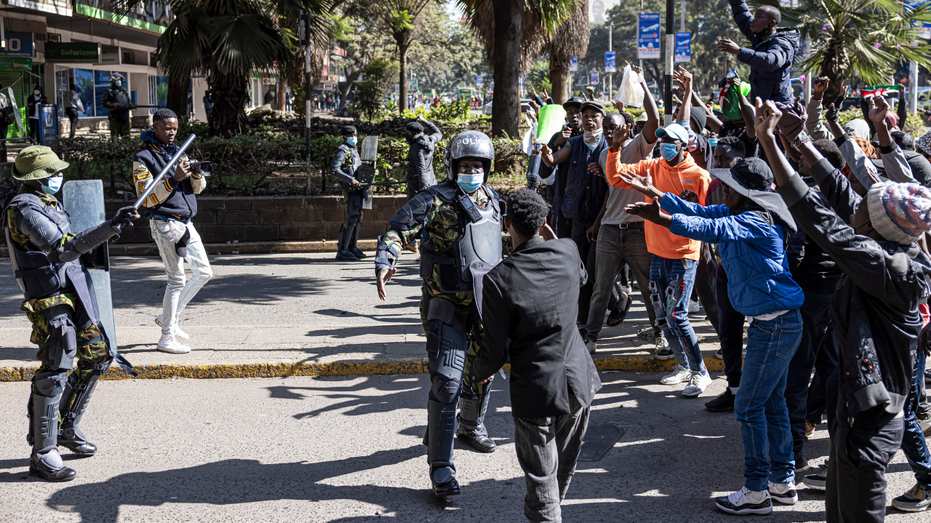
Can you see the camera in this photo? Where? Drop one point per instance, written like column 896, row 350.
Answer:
column 200, row 168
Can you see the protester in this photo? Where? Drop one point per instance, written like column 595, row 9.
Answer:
column 874, row 309
column 573, row 128
column 420, row 155
column 675, row 259
column 48, row 262
column 585, row 193
column 771, row 54
column 170, row 209
column 620, row 239
column 553, row 381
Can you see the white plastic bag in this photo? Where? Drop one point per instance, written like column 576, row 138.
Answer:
column 629, row 92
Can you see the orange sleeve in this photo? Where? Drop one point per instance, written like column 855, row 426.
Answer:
column 615, row 167
column 703, row 181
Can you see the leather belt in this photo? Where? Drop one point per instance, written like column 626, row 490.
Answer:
column 630, row 225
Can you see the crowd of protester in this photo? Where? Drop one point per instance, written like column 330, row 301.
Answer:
column 756, row 211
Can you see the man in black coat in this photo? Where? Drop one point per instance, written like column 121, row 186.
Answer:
column 529, row 305
column 423, row 137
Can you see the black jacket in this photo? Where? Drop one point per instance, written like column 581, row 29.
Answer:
column 813, row 270
column 529, row 307
column 420, row 159
column 770, row 59
column 875, row 307
column 172, row 199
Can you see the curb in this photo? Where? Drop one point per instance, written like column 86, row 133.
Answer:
column 149, row 249
column 349, row 368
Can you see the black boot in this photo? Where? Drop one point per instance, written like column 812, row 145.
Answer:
column 441, row 419
column 45, row 461
column 353, row 242
column 472, row 408
column 342, row 252
column 74, row 403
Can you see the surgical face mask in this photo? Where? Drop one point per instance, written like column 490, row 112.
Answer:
column 119, row 83
column 470, row 182
column 713, row 142
column 351, row 141
column 37, row 92
column 54, row 184
column 669, row 151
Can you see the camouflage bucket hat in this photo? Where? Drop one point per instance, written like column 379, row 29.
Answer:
column 37, row 162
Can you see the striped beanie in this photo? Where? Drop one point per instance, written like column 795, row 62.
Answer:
column 900, row 212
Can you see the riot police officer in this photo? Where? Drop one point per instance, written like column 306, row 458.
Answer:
column 60, row 302
column 459, row 221
column 345, row 163
column 116, row 101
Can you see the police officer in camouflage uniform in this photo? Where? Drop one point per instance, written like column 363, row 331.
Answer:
column 345, row 163
column 116, row 101
column 460, row 223
column 48, row 263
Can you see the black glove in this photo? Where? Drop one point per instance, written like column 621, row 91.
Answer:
column 831, row 114
column 125, row 216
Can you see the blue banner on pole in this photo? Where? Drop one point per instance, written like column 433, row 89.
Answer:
column 648, row 40
column 610, row 61
column 683, row 47
column 478, row 80
column 574, row 64
column 595, row 78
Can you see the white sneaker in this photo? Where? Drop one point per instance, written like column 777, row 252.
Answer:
column 745, row 501
column 679, row 374
column 169, row 344
column 176, row 331
column 697, row 384
column 784, row 493
column 693, row 307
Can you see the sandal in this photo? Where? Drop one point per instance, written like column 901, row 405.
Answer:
column 617, row 317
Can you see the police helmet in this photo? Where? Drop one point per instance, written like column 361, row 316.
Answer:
column 468, row 144
column 116, row 76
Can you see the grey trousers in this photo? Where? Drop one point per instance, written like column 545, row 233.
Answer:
column 614, row 248
column 547, row 450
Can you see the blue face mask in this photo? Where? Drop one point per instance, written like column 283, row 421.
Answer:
column 351, row 141
column 119, row 83
column 669, row 151
column 470, row 182
column 54, row 184
column 713, row 142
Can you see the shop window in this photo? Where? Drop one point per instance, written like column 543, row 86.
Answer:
column 84, row 81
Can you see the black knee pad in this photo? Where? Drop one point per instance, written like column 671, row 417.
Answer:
column 62, row 344
column 50, row 384
column 444, row 389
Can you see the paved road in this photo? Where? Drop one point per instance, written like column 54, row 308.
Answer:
column 280, row 308
column 348, row 449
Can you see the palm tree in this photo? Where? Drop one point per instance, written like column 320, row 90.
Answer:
column 571, row 39
column 514, row 31
column 227, row 40
column 401, row 17
column 863, row 39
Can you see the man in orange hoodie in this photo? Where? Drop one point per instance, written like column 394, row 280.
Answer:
column 675, row 258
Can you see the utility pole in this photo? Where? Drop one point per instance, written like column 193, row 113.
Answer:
column 808, row 81
column 913, row 87
column 682, row 25
column 611, row 75
column 638, row 32
column 670, row 45
column 308, row 88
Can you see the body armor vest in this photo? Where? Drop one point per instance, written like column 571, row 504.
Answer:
column 478, row 241
column 36, row 275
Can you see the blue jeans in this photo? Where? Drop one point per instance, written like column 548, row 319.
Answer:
column 760, row 406
column 671, row 283
column 914, row 444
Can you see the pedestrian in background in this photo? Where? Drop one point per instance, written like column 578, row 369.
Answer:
column 73, row 105
column 33, row 108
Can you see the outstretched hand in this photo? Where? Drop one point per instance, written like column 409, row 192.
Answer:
column 639, row 183
column 728, row 46
column 792, row 123
column 383, row 276
column 767, row 117
column 621, row 134
column 650, row 212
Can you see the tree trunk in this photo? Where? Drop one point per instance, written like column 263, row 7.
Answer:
column 559, row 80
column 177, row 95
column 282, row 94
column 350, row 81
column 403, row 45
column 228, row 116
column 505, row 114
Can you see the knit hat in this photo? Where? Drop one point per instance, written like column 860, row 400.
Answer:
column 900, row 212
column 697, row 115
column 924, row 143
column 37, row 162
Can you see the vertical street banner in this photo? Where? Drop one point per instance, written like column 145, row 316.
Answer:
column 595, row 78
column 648, row 36
column 610, row 61
column 574, row 64
column 478, row 80
column 683, row 47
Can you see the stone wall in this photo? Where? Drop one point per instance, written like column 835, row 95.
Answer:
column 273, row 218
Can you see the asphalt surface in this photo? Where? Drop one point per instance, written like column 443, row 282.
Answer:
column 348, row 449
column 286, row 309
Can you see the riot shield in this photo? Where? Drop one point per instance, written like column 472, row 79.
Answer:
column 83, row 200
column 19, row 121
column 368, row 152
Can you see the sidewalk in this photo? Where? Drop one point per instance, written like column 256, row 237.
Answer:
column 294, row 314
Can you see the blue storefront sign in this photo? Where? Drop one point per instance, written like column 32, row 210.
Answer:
column 19, row 44
column 648, row 36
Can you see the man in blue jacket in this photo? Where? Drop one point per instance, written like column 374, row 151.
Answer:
column 750, row 229
column 771, row 52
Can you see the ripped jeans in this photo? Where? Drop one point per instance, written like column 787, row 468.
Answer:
column 671, row 283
